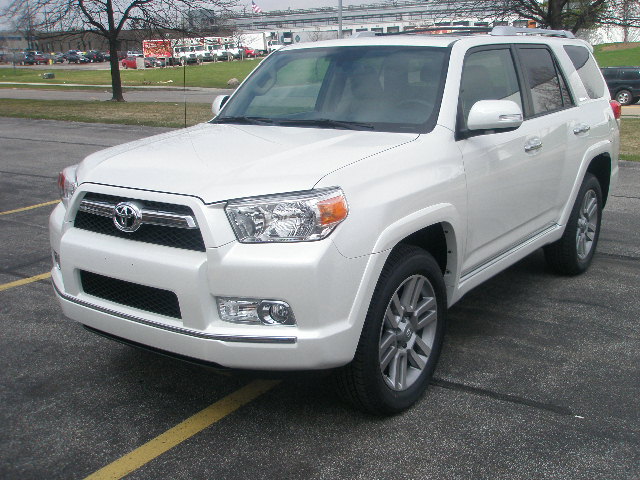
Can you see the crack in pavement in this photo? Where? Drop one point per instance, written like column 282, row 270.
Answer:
column 505, row 397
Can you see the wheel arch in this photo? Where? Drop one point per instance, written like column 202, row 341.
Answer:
column 440, row 241
column 600, row 167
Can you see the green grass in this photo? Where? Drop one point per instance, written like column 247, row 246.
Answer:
column 617, row 54
column 630, row 139
column 139, row 113
column 214, row 75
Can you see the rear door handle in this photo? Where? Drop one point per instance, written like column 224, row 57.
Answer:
column 581, row 128
column 533, row 145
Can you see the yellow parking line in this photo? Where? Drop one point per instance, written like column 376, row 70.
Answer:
column 181, row 432
column 24, row 281
column 30, row 207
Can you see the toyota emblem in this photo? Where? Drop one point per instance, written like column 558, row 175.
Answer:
column 127, row 217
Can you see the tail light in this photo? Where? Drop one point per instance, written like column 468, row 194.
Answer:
column 617, row 109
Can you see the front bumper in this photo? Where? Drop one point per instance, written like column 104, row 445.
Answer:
column 318, row 282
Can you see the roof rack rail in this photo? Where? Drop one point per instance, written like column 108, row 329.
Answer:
column 457, row 29
column 504, row 30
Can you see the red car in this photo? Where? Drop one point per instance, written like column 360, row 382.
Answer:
column 250, row 52
column 130, row 62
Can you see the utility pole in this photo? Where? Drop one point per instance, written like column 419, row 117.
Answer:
column 29, row 28
column 339, row 18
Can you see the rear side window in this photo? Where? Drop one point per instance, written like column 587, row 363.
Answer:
column 587, row 70
column 548, row 92
column 630, row 74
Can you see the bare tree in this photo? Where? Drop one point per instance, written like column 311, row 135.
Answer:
column 572, row 15
column 108, row 18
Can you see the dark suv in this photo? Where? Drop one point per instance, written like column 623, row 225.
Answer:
column 623, row 83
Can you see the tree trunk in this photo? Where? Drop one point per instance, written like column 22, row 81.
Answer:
column 555, row 15
column 116, row 83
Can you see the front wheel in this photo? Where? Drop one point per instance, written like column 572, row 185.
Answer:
column 572, row 254
column 401, row 338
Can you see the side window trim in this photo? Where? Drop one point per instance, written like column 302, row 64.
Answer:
column 563, row 81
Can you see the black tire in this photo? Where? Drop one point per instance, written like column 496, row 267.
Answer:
column 565, row 256
column 364, row 382
column 624, row 97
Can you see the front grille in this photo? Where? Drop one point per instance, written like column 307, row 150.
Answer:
column 189, row 239
column 133, row 295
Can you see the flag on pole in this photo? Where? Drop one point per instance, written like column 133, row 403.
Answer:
column 255, row 8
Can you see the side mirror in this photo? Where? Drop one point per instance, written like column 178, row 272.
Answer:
column 494, row 115
column 218, row 103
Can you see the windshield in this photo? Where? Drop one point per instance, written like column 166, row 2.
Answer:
column 386, row 88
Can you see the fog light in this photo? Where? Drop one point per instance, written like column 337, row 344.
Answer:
column 273, row 312
column 256, row 311
column 56, row 259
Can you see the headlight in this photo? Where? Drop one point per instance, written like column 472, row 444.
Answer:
column 67, row 183
column 296, row 217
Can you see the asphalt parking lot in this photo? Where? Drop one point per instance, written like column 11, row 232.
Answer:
column 539, row 379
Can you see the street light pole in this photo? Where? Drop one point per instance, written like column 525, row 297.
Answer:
column 339, row 18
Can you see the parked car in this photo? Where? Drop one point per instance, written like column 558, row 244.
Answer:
column 36, row 58
column 57, row 57
column 94, row 56
column 623, row 83
column 342, row 199
column 76, row 58
column 156, row 62
column 249, row 52
column 131, row 62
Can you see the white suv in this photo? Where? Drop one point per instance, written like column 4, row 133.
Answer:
column 341, row 200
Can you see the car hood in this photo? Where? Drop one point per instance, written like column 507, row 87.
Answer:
column 217, row 162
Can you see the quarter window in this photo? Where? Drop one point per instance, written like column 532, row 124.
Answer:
column 587, row 70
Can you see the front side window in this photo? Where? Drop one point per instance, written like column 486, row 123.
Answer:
column 587, row 69
column 384, row 88
column 542, row 77
column 488, row 75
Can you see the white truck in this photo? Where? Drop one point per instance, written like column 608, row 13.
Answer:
column 259, row 41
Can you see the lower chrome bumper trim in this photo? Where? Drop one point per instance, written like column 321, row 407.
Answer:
column 180, row 330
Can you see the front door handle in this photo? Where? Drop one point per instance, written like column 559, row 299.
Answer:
column 533, row 145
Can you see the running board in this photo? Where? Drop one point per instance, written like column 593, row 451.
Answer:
column 502, row 256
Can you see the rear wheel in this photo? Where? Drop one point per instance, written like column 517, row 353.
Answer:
column 401, row 338
column 572, row 254
column 624, row 97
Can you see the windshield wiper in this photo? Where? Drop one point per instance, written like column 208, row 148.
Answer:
column 327, row 122
column 246, row 120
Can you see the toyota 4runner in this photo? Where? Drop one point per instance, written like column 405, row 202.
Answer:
column 340, row 201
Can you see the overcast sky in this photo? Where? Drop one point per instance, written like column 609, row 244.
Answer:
column 269, row 4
